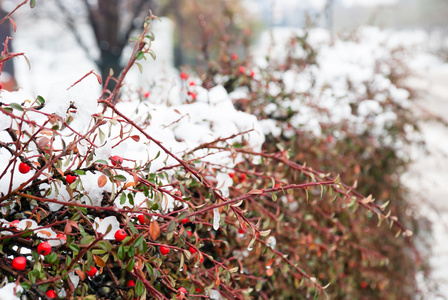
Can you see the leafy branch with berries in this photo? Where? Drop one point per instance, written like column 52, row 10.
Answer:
column 108, row 197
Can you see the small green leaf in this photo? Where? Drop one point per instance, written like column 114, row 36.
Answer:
column 140, row 55
column 139, row 288
column 122, row 198
column 16, row 106
column 26, row 285
column 120, row 178
column 32, row 3
column 79, row 172
column 52, row 257
column 130, row 265
column 139, row 67
column 74, row 247
column 150, row 36
column 74, row 184
column 153, row 55
column 138, row 241
column 40, row 99
column 87, row 240
column 32, row 276
column 171, row 227
column 131, row 199
column 132, row 228
column 121, row 252
column 98, row 251
column 182, row 215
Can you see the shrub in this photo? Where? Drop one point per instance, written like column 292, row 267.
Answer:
column 227, row 211
column 340, row 105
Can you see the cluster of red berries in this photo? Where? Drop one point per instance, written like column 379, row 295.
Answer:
column 25, row 168
column 241, row 69
column 238, row 179
column 44, row 248
column 184, row 76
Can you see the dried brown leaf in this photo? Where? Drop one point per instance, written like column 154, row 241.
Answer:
column 99, row 261
column 154, row 230
column 102, row 180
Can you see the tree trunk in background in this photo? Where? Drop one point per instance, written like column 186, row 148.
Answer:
column 180, row 22
column 106, row 28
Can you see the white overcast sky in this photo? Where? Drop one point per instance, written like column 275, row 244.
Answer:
column 349, row 3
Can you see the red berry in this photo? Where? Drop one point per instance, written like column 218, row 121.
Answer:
column 120, row 235
column 61, row 236
column 19, row 263
column 192, row 250
column 242, row 177
column 70, row 178
column 116, row 160
column 232, row 175
column 252, row 74
column 198, row 290
column 189, row 233
column 234, row 56
column 241, row 231
column 164, row 250
column 143, row 219
column 92, row 271
column 130, row 283
column 192, row 83
column 364, row 284
column 182, row 290
column 242, row 69
column 183, row 75
column 184, row 221
column 1, row 86
column 14, row 223
column 193, row 96
column 44, row 248
column 202, row 259
column 51, row 294
column 24, row 168
column 147, row 94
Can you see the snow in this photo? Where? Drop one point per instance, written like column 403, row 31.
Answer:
column 102, row 226
column 336, row 89
column 216, row 218
column 9, row 291
column 215, row 295
column 426, row 178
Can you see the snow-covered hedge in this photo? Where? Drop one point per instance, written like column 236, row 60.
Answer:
column 341, row 105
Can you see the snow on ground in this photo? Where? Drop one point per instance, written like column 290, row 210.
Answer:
column 427, row 177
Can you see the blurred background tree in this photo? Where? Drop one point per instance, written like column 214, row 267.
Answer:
column 112, row 22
